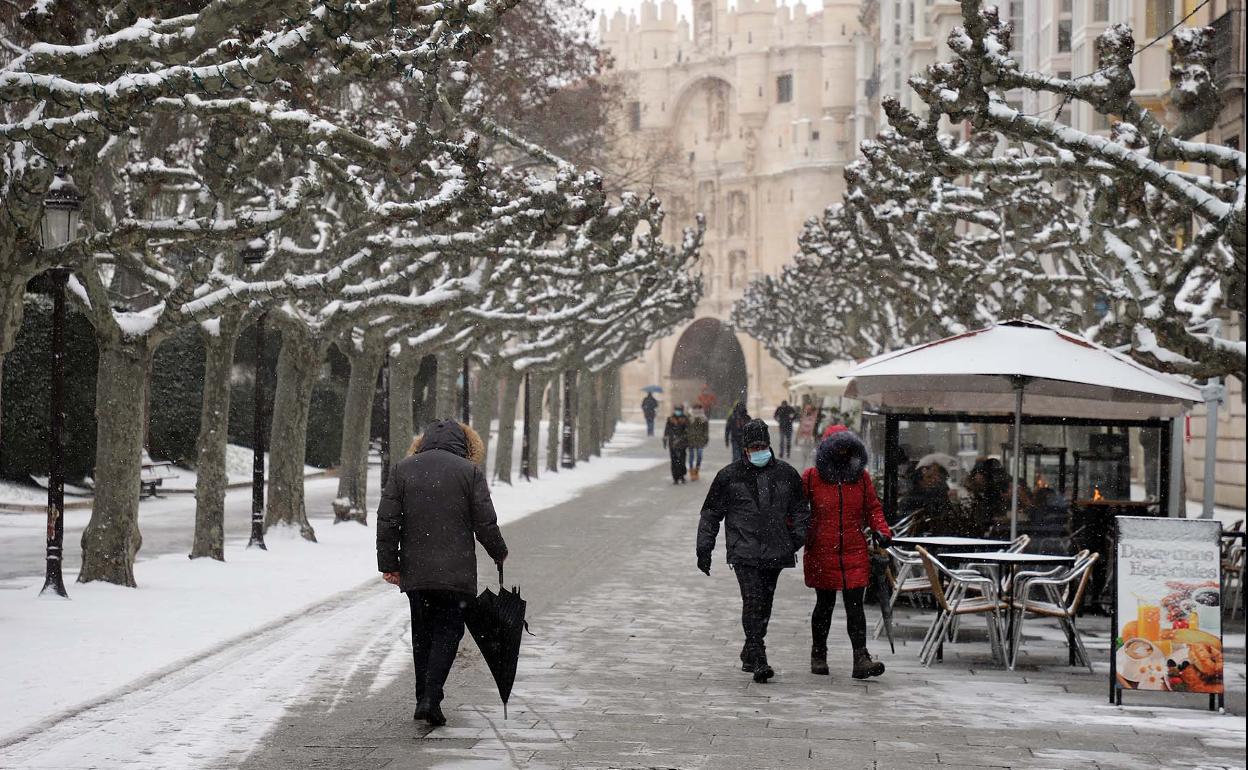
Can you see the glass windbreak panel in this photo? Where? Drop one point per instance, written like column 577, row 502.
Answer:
column 958, row 478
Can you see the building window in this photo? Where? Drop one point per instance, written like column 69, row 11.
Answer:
column 1063, row 36
column 1067, row 6
column 814, row 134
column 1100, row 10
column 1158, row 17
column 896, row 74
column 897, row 34
column 784, row 89
column 691, row 157
column 634, row 116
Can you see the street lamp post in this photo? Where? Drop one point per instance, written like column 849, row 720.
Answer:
column 253, row 254
column 526, row 469
column 385, row 415
column 61, row 210
column 569, row 439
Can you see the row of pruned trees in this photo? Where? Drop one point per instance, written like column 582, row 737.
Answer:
column 344, row 147
column 1029, row 216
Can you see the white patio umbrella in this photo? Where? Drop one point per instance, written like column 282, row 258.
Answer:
column 827, row 380
column 989, row 371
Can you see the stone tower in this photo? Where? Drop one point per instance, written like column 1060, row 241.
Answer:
column 755, row 107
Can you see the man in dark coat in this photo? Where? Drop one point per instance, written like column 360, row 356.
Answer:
column 785, row 415
column 676, row 440
column 733, row 427
column 649, row 409
column 434, row 503
column 761, row 502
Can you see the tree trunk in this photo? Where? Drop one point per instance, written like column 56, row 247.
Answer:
column 214, row 427
column 554, row 426
column 402, row 384
column 446, row 398
column 426, row 391
column 537, row 385
column 484, row 407
column 613, row 408
column 596, row 430
column 352, row 500
column 584, row 415
column 298, row 366
column 507, row 425
column 111, row 539
column 12, row 295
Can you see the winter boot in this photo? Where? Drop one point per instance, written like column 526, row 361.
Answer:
column 693, row 473
column 819, row 661
column 864, row 666
column 747, row 660
column 762, row 671
column 431, row 712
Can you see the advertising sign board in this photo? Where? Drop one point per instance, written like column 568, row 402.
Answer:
column 1168, row 607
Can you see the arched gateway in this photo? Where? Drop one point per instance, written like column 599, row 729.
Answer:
column 708, row 359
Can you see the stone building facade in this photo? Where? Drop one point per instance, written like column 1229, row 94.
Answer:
column 755, row 107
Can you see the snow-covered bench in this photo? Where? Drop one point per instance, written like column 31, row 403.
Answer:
column 152, row 474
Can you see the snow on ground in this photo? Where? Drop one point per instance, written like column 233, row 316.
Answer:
column 63, row 657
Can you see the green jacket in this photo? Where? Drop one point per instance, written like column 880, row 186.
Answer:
column 699, row 433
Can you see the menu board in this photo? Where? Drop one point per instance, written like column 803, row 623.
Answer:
column 1168, row 610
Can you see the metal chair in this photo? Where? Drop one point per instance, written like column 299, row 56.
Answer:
column 1062, row 596
column 907, row 578
column 953, row 602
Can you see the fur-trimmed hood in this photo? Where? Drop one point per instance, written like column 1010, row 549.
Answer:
column 452, row 436
column 841, row 457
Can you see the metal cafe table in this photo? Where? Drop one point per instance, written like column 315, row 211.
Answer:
column 937, row 543
column 1012, row 562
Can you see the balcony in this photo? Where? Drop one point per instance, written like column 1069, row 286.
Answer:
column 1228, row 47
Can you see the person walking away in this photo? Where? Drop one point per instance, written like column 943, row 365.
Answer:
column 733, row 428
column 676, row 440
column 699, row 435
column 785, row 415
column 760, row 501
column 649, row 409
column 435, row 501
column 842, row 503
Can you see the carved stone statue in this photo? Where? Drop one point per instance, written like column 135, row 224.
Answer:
column 738, row 213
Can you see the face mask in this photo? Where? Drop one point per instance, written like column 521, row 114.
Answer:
column 761, row 458
column 680, row 412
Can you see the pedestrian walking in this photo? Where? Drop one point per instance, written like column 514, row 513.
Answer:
column 759, row 499
column 434, row 502
column 842, row 503
column 738, row 418
column 676, row 441
column 699, row 435
column 649, row 410
column 784, row 416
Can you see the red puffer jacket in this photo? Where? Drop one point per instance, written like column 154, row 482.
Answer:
column 836, row 554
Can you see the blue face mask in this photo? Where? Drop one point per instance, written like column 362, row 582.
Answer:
column 760, row 458
column 680, row 412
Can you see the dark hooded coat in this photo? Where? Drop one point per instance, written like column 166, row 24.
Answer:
column 764, row 512
column 434, row 503
column 842, row 503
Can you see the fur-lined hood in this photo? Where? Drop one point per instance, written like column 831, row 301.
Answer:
column 841, row 457
column 452, row 436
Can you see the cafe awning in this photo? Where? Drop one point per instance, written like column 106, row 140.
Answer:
column 979, row 372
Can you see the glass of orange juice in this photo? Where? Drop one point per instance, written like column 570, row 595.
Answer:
column 1148, row 620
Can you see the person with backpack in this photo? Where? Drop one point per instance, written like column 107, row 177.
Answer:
column 843, row 502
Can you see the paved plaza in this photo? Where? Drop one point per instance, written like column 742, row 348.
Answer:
column 633, row 664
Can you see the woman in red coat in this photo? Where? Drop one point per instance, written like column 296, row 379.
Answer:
column 842, row 503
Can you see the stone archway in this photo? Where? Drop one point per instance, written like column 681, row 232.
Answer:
column 709, row 355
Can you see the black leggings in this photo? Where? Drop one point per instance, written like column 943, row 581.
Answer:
column 855, row 617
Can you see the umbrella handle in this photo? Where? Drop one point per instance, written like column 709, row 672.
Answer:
column 500, row 575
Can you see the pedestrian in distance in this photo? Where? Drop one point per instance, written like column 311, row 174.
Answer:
column 760, row 501
column 699, row 434
column 676, row 441
column 649, row 410
column 842, row 503
column 435, row 501
column 784, row 416
column 733, row 429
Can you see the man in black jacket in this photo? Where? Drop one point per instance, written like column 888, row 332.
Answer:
column 433, row 504
column 766, row 514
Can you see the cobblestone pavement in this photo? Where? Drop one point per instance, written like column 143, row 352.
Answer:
column 633, row 664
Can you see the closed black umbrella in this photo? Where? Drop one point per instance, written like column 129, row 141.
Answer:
column 882, row 585
column 496, row 622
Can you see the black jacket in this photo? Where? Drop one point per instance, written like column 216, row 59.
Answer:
column 676, row 432
column 734, row 425
column 434, row 502
column 785, row 415
column 765, row 513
